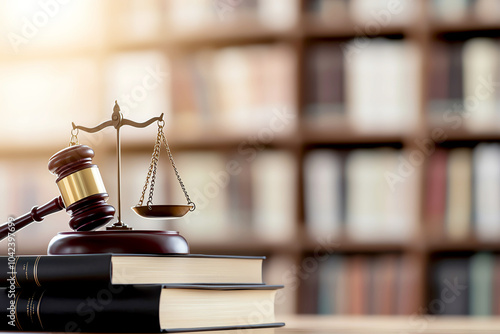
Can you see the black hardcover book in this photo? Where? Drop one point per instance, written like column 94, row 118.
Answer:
column 450, row 285
column 139, row 309
column 45, row 270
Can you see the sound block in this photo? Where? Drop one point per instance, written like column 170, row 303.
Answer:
column 121, row 242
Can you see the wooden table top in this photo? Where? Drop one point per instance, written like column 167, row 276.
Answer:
column 423, row 324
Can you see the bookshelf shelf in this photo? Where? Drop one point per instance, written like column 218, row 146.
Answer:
column 463, row 135
column 348, row 246
column 347, row 29
column 141, row 45
column 246, row 246
column 466, row 26
column 57, row 53
column 468, row 245
column 240, row 33
column 205, row 140
column 343, row 136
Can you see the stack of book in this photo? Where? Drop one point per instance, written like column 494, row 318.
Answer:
column 134, row 293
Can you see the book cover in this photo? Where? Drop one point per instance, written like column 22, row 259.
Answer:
column 438, row 88
column 455, row 75
column 329, row 275
column 486, row 191
column 384, row 294
column 435, row 199
column 481, row 281
column 323, row 193
column 480, row 62
column 496, row 286
column 139, row 309
column 358, row 284
column 451, row 275
column 459, row 190
column 129, row 269
column 324, row 89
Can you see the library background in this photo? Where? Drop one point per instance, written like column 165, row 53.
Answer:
column 354, row 143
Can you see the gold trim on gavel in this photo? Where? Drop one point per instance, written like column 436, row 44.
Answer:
column 81, row 184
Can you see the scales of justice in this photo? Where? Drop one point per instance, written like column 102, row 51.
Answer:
column 83, row 196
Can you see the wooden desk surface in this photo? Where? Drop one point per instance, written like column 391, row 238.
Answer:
column 425, row 324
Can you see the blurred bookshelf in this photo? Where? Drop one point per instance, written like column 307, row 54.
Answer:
column 331, row 136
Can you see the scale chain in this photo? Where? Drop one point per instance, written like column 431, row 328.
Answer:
column 151, row 172
column 154, row 166
column 156, row 155
column 171, row 158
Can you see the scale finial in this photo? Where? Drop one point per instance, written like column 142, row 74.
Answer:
column 116, row 108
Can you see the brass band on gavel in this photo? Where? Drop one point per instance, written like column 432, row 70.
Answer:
column 81, row 184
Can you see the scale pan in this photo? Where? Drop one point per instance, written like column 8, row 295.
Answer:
column 162, row 211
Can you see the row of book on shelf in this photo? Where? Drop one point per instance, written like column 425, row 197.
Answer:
column 135, row 293
column 460, row 11
column 403, row 12
column 362, row 12
column 463, row 82
column 463, row 191
column 361, row 284
column 351, row 193
column 200, row 14
column 284, row 13
column 342, row 83
column 373, row 87
column 386, row 285
column 465, row 285
column 237, row 87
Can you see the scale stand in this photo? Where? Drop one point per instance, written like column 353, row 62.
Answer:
column 120, row 238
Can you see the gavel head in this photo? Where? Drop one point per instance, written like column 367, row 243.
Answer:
column 81, row 188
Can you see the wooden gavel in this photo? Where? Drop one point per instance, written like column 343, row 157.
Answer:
column 82, row 193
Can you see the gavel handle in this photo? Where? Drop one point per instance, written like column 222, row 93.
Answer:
column 36, row 214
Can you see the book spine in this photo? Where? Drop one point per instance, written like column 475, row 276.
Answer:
column 32, row 271
column 481, row 282
column 453, row 276
column 436, row 193
column 112, row 308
